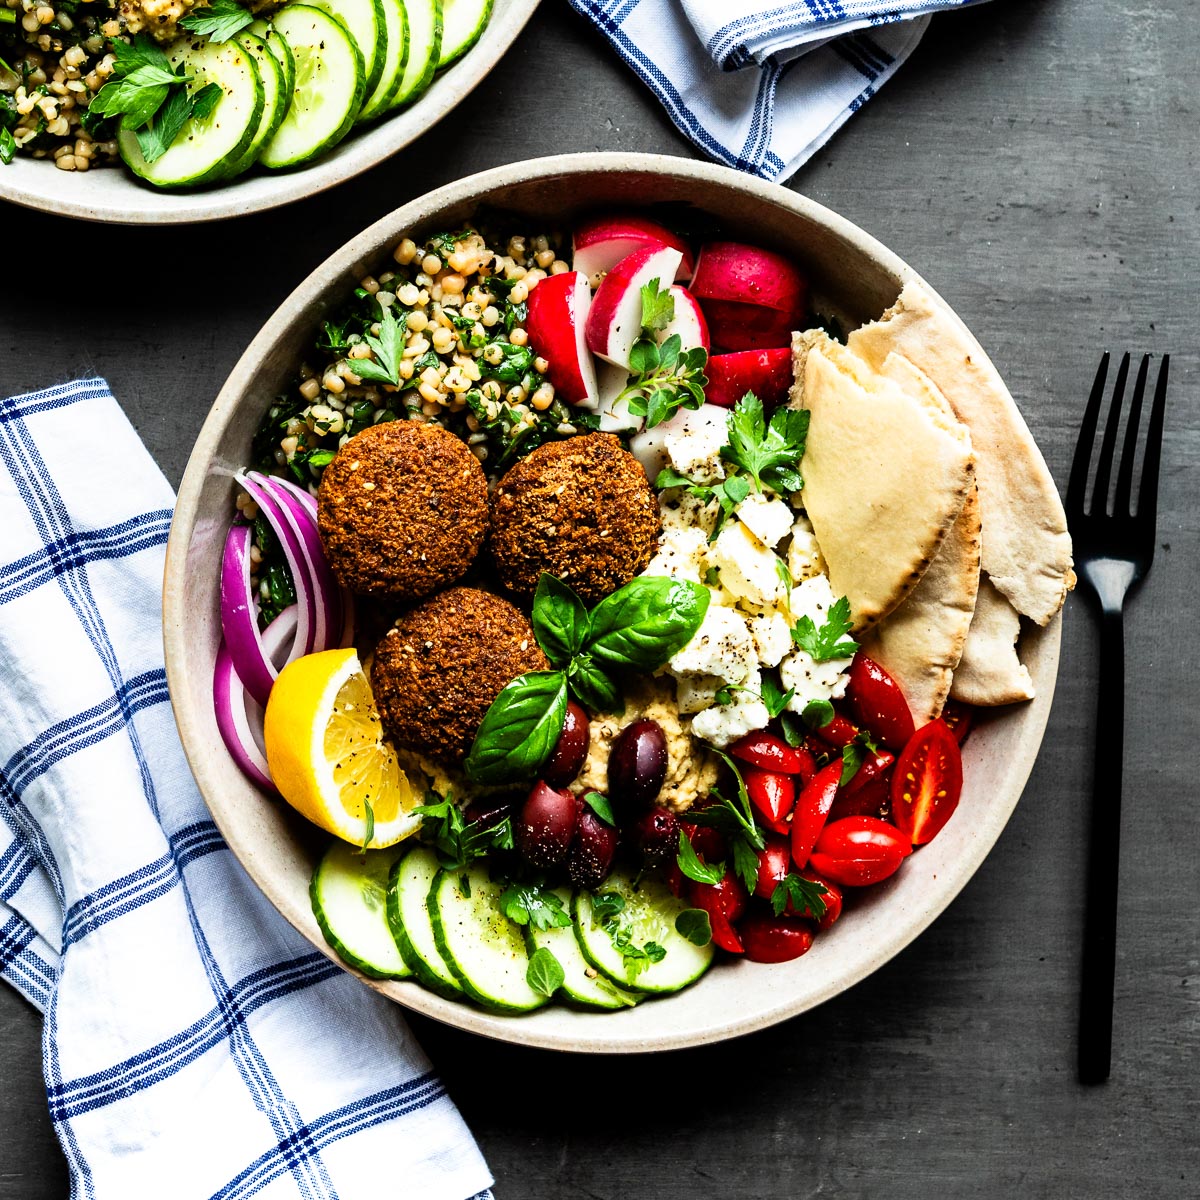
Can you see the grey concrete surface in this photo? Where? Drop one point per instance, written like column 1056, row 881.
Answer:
column 1037, row 160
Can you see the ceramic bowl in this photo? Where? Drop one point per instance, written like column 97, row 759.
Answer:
column 114, row 196
column 851, row 272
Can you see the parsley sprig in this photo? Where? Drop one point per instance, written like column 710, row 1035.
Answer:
column 829, row 641
column 734, row 820
column 220, row 20
column 807, row 896
column 388, row 349
column 769, row 452
column 729, row 493
column 534, row 905
column 607, row 910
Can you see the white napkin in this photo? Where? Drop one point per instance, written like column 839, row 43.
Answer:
column 761, row 86
column 195, row 1044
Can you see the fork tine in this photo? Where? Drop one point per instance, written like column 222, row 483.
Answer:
column 1077, row 484
column 1148, row 489
column 1129, row 449
column 1108, row 443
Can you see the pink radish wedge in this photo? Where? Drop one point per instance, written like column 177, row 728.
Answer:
column 736, row 326
column 601, row 243
column 748, row 275
column 614, row 417
column 688, row 321
column 766, row 373
column 558, row 310
column 615, row 318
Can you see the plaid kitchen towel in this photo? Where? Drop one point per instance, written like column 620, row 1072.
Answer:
column 195, row 1045
column 757, row 85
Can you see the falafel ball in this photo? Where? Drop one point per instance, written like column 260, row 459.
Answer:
column 581, row 509
column 438, row 669
column 402, row 510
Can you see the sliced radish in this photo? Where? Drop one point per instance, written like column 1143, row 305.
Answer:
column 749, row 275
column 736, row 326
column 558, row 309
column 614, row 417
column 766, row 373
column 601, row 243
column 688, row 321
column 615, row 318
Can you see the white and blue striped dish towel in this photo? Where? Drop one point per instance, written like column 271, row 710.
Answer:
column 195, row 1045
column 761, row 85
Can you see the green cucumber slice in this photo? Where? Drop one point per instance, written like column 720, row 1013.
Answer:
column 275, row 98
column 349, row 899
column 424, row 49
column 592, row 990
column 408, row 918
column 329, row 89
column 485, row 950
column 207, row 150
column 278, row 47
column 395, row 19
column 648, row 916
column 463, row 23
column 365, row 23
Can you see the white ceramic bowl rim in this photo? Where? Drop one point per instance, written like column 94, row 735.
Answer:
column 1009, row 757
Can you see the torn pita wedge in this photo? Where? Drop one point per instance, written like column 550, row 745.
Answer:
column 989, row 671
column 1026, row 546
column 921, row 642
column 887, row 468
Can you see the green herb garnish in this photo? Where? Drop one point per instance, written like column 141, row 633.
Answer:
column 545, row 974
column 457, row 841
column 689, row 863
column 806, row 896
column 220, row 21
column 388, row 349
column 534, row 905
column 769, row 453
column 694, row 925
column 601, row 806
column 830, row 640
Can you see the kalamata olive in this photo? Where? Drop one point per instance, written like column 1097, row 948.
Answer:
column 488, row 811
column 637, row 764
column 546, row 825
column 592, row 852
column 567, row 758
column 656, row 835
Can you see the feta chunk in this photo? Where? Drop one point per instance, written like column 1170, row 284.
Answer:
column 722, row 646
column 747, row 567
column 772, row 637
column 695, row 693
column 725, row 723
column 813, row 598
column 678, row 508
column 682, row 554
column 769, row 520
column 812, row 680
column 804, row 555
column 694, row 448
column 650, row 446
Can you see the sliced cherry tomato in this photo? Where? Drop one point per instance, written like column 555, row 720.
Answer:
column 724, row 902
column 841, row 731
column 812, row 810
column 706, row 841
column 832, row 899
column 878, row 702
column 927, row 782
column 857, row 851
column 771, row 939
column 873, row 799
column 874, row 767
column 774, row 862
column 959, row 717
column 808, row 764
column 772, row 794
column 771, row 753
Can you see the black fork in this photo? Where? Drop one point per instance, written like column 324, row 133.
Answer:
column 1114, row 548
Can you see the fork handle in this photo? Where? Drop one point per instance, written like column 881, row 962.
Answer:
column 1100, row 915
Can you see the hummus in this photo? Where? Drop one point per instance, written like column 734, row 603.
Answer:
column 691, row 767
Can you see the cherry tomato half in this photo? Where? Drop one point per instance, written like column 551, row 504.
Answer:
column 772, row 794
column 812, row 810
column 841, row 731
column 724, row 902
column 927, row 783
column 706, row 841
column 832, row 899
column 771, row 939
column 857, row 851
column 874, row 767
column 769, row 752
column 774, row 862
column 878, row 702
column 959, row 717
column 873, row 799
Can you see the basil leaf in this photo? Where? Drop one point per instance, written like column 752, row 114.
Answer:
column 694, row 925
column 520, row 729
column 690, row 864
column 560, row 620
column 544, row 973
column 601, row 806
column 593, row 687
column 642, row 624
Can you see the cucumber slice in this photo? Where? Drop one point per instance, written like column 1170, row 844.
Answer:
column 395, row 19
column 424, row 49
column 275, row 98
column 364, row 22
column 349, row 899
column 207, row 150
column 408, row 918
column 592, row 991
column 649, row 916
column 329, row 89
column 463, row 22
column 278, row 47
column 485, row 950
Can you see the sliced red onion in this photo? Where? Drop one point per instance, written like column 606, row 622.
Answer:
column 239, row 617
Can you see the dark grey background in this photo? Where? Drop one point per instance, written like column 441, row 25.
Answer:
column 1037, row 160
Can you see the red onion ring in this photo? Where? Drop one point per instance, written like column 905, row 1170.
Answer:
column 239, row 617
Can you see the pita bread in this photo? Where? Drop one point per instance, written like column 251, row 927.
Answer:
column 887, row 468
column 919, row 645
column 1026, row 546
column 989, row 671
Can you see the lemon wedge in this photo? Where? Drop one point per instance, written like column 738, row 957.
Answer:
column 328, row 756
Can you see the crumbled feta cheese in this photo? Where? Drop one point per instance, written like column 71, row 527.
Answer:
column 721, row 646
column 812, row 597
column 695, row 693
column 812, row 680
column 747, row 567
column 650, row 446
column 695, row 449
column 804, row 555
column 682, row 554
column 725, row 723
column 772, row 637
column 769, row 520
column 679, row 509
